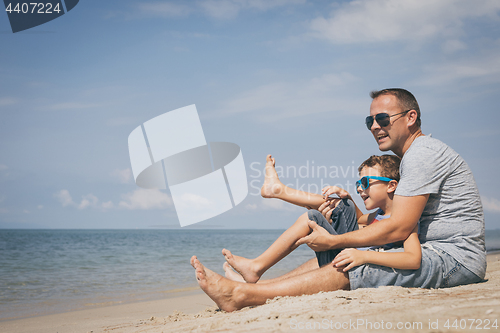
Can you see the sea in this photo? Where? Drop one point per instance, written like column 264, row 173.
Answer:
column 52, row 271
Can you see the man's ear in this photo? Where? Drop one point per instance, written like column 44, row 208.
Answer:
column 391, row 187
column 412, row 118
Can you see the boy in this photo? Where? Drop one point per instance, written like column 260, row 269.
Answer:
column 379, row 178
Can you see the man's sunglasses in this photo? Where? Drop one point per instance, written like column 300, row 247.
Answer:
column 364, row 182
column 383, row 119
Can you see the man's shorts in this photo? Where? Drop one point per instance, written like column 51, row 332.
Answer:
column 437, row 270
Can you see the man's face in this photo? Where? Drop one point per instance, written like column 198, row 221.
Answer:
column 393, row 136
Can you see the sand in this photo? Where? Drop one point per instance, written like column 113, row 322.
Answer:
column 459, row 309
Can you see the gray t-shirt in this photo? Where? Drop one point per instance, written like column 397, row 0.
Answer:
column 452, row 219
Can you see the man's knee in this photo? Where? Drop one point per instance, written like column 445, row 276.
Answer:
column 336, row 275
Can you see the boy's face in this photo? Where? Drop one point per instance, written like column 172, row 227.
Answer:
column 376, row 195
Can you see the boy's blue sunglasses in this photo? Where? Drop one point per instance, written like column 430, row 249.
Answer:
column 364, row 182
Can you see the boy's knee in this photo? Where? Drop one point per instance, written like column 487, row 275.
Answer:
column 315, row 215
column 320, row 220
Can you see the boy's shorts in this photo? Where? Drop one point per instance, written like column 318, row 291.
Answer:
column 437, row 270
column 343, row 220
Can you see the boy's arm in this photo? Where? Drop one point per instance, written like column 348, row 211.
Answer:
column 315, row 201
column 365, row 219
column 409, row 259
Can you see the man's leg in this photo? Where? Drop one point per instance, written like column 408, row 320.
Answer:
column 252, row 269
column 231, row 295
column 274, row 188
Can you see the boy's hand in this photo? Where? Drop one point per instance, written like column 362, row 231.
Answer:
column 349, row 257
column 328, row 190
column 327, row 207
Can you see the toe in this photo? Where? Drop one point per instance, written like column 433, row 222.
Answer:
column 192, row 260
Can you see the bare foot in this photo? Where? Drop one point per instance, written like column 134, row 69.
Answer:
column 244, row 266
column 217, row 287
column 231, row 274
column 272, row 186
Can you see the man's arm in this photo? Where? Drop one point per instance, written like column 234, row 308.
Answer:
column 406, row 212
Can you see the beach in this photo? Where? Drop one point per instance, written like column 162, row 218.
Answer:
column 458, row 309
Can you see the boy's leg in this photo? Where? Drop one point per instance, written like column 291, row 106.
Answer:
column 252, row 269
column 308, row 266
column 274, row 188
column 343, row 220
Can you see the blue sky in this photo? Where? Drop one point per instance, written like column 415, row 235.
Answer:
column 290, row 78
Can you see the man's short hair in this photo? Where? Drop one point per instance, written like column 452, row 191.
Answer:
column 389, row 165
column 405, row 98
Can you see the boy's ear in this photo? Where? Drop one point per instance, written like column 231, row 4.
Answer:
column 391, row 187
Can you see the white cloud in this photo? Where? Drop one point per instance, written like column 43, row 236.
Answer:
column 72, row 106
column 395, row 20
column 221, row 9
column 491, row 204
column 228, row 9
column 3, row 167
column 165, row 9
column 195, row 201
column 124, row 176
column 276, row 204
column 481, row 69
column 107, row 205
column 453, row 45
column 88, row 201
column 145, row 199
column 39, row 206
column 218, row 9
column 291, row 99
column 4, row 101
column 64, row 198
column 139, row 199
column 251, row 207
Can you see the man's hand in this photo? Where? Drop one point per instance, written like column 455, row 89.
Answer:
column 318, row 240
column 349, row 258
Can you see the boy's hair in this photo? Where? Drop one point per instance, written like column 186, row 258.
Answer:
column 405, row 98
column 389, row 165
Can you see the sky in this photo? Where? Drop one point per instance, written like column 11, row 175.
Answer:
column 289, row 78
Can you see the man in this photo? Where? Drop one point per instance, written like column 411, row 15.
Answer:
column 436, row 188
